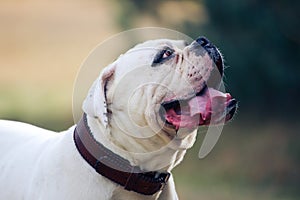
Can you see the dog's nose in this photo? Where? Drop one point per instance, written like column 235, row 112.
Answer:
column 212, row 51
column 203, row 41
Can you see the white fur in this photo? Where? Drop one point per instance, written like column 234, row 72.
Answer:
column 38, row 164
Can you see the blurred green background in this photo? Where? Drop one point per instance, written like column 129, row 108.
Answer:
column 43, row 43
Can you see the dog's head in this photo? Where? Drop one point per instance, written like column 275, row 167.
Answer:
column 162, row 87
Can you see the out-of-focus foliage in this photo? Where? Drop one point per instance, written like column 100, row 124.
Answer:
column 261, row 42
column 259, row 39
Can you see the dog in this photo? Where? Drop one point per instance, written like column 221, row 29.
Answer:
column 140, row 117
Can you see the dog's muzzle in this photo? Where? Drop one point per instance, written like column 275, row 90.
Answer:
column 213, row 52
column 207, row 106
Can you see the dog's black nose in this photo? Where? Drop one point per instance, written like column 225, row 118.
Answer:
column 212, row 51
column 203, row 41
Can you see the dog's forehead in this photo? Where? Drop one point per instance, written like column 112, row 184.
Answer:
column 143, row 54
column 180, row 44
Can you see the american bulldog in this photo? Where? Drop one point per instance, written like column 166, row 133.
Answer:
column 140, row 117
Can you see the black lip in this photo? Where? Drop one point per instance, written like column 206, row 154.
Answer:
column 170, row 104
column 215, row 55
column 167, row 106
column 212, row 51
column 202, row 91
column 231, row 107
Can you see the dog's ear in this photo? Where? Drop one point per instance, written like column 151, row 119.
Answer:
column 95, row 104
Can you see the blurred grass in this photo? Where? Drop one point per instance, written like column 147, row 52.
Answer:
column 248, row 162
column 47, row 107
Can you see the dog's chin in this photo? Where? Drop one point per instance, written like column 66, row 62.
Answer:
column 208, row 107
column 183, row 139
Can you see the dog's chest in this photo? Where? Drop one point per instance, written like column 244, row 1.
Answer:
column 121, row 194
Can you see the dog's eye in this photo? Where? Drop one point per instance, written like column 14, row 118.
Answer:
column 163, row 55
column 167, row 53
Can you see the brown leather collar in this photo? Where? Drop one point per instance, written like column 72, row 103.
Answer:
column 113, row 166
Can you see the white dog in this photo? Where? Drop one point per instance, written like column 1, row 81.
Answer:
column 141, row 115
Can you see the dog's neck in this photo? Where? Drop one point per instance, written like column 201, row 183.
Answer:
column 113, row 166
column 148, row 154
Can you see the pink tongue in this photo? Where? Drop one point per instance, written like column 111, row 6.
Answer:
column 200, row 109
column 203, row 104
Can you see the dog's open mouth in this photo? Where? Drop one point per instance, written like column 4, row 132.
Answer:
column 209, row 106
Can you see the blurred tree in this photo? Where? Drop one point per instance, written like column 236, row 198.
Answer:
column 130, row 10
column 261, row 42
